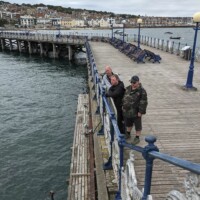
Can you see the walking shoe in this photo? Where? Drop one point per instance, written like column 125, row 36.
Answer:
column 127, row 135
column 136, row 141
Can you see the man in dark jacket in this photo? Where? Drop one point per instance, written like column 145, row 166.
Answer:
column 134, row 106
column 116, row 91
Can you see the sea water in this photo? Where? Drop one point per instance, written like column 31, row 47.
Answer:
column 37, row 115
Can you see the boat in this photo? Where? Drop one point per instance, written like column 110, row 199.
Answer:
column 118, row 32
column 175, row 38
column 168, row 32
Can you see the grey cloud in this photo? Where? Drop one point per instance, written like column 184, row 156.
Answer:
column 136, row 7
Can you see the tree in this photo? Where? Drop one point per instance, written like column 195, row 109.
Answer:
column 3, row 22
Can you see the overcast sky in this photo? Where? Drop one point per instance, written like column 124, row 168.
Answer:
column 171, row 8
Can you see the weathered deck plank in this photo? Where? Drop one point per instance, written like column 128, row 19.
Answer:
column 80, row 169
column 172, row 116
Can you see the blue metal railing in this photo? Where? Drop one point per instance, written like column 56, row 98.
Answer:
column 149, row 152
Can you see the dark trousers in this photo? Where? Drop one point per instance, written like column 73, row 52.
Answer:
column 120, row 120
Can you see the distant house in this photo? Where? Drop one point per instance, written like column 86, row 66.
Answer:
column 41, row 11
column 67, row 22
column 9, row 15
column 111, row 22
column 93, row 23
column 43, row 22
column 79, row 23
column 104, row 23
column 56, row 21
column 27, row 21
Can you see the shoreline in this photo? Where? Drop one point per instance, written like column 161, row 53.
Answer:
column 93, row 28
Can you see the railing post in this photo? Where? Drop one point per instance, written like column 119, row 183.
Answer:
column 172, row 48
column 149, row 164
column 158, row 47
column 162, row 45
column 178, row 49
column 121, row 157
column 97, row 93
column 167, row 47
column 102, row 111
column 151, row 42
column 154, row 43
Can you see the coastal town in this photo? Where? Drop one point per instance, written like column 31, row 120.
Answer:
column 41, row 16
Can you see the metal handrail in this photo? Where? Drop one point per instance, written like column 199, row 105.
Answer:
column 149, row 152
column 75, row 39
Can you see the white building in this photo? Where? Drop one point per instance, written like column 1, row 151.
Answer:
column 93, row 23
column 104, row 23
column 56, row 21
column 42, row 22
column 27, row 21
column 79, row 23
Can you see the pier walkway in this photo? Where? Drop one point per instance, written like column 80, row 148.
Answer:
column 81, row 181
column 173, row 114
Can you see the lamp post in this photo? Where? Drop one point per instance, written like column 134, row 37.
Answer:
column 189, row 85
column 112, row 29
column 139, row 21
column 123, row 22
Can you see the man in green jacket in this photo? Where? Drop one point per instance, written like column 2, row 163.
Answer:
column 134, row 106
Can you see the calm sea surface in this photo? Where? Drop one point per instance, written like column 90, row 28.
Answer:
column 186, row 34
column 38, row 105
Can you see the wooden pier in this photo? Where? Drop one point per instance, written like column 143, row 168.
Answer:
column 172, row 115
column 80, row 172
column 48, row 45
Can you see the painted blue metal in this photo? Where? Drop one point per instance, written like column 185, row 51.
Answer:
column 108, row 164
column 139, row 36
column 123, row 32
column 112, row 31
column 149, row 164
column 189, row 81
column 133, row 147
column 193, row 167
column 102, row 94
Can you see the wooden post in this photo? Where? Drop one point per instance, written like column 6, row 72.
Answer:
column 41, row 49
column 11, row 47
column 29, row 47
column 69, row 52
column 2, row 44
column 54, row 50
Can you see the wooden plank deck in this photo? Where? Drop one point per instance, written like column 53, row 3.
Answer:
column 79, row 182
column 173, row 114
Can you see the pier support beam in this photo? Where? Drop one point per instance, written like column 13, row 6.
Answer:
column 69, row 52
column 41, row 49
column 11, row 46
column 54, row 51
column 30, row 48
column 2, row 44
column 19, row 46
